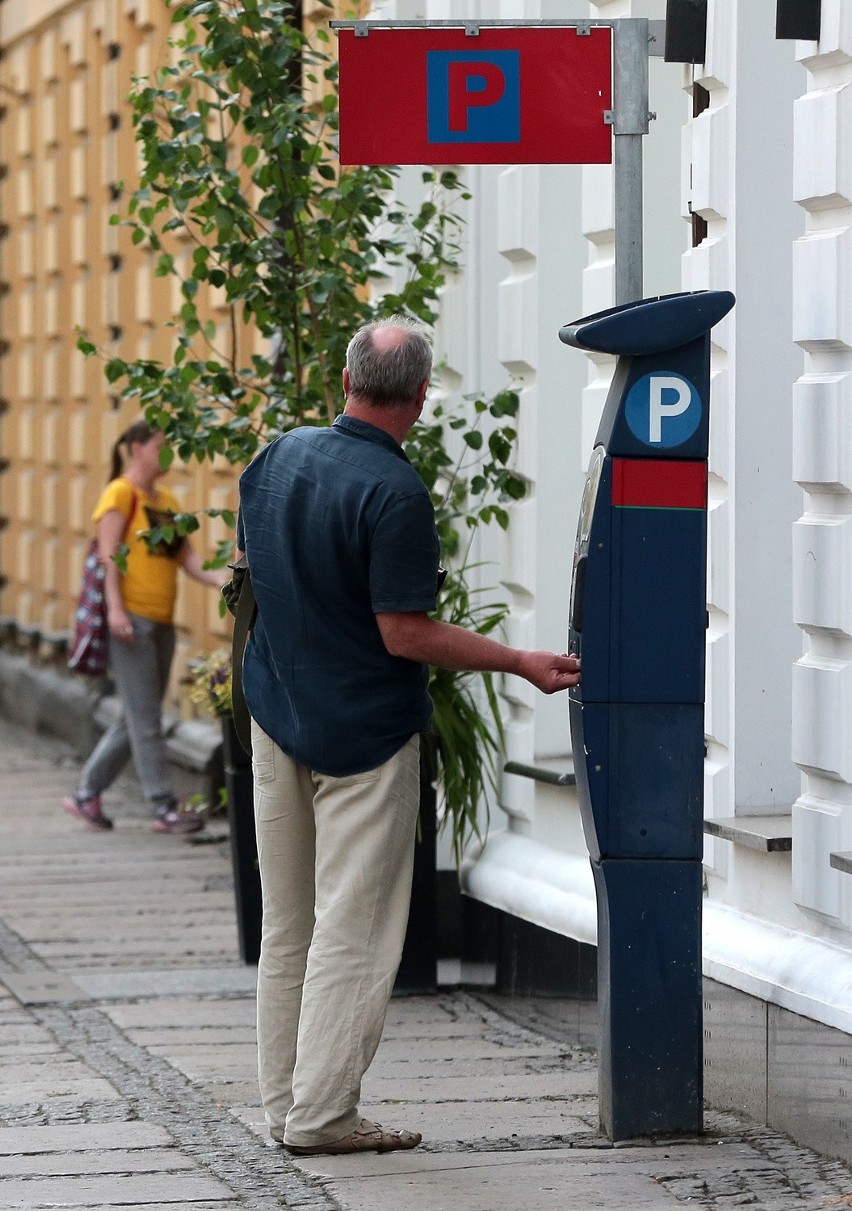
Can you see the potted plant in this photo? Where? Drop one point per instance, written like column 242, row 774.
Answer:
column 210, row 681
column 240, row 193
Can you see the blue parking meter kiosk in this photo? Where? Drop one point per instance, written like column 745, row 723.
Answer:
column 638, row 620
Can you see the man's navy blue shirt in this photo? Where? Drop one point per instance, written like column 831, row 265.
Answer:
column 337, row 526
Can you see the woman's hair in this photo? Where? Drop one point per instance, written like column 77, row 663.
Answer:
column 139, row 431
column 389, row 374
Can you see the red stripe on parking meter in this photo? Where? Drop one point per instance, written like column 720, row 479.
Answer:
column 645, row 483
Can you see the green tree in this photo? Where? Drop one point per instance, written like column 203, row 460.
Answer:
column 240, row 197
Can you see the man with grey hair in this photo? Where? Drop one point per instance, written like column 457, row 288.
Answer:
column 339, row 533
column 383, row 372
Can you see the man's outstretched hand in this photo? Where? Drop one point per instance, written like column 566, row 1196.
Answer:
column 414, row 635
column 550, row 672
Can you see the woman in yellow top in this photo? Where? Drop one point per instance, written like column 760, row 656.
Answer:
column 140, row 609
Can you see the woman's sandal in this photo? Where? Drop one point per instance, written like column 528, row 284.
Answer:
column 367, row 1137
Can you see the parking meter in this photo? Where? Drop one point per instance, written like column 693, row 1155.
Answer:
column 638, row 621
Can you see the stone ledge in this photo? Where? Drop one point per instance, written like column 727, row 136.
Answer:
column 60, row 704
column 841, row 861
column 769, row 834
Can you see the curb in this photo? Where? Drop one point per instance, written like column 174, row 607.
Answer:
column 45, row 700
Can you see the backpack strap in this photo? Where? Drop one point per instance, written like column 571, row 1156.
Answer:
column 131, row 514
column 244, row 618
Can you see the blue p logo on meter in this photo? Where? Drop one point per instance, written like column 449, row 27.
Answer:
column 663, row 409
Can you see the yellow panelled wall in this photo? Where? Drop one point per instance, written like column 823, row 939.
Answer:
column 67, row 143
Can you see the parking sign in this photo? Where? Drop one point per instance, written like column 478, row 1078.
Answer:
column 473, row 98
column 504, row 96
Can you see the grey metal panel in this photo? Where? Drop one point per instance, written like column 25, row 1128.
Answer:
column 734, row 1050
column 810, row 1082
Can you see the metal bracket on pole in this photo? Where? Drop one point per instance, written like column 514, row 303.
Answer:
column 656, row 39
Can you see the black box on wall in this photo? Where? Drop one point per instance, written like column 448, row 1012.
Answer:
column 798, row 19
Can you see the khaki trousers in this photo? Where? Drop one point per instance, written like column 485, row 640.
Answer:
column 336, row 858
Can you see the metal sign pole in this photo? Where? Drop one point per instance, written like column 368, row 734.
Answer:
column 630, row 119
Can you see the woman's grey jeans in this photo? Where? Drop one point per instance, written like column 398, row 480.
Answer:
column 141, row 673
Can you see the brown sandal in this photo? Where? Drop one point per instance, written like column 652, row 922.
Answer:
column 367, row 1137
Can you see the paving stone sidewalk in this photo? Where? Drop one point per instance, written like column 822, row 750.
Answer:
column 128, row 1054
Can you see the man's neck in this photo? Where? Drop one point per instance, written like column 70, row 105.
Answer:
column 393, row 419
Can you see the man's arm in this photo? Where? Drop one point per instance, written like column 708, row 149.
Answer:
column 416, row 636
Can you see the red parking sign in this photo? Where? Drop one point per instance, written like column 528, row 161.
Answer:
column 504, row 96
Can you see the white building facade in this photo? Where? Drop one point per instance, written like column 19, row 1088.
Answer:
column 748, row 187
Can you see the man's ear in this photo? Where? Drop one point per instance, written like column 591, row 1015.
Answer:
column 421, row 395
column 345, row 381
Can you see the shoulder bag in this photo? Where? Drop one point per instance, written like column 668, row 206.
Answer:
column 239, row 598
column 90, row 645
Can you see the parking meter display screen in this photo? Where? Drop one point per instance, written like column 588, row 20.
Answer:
column 590, row 495
column 584, row 527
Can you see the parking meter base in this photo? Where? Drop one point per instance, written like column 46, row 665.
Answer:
column 649, row 997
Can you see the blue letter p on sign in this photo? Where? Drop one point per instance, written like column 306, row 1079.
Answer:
column 473, row 97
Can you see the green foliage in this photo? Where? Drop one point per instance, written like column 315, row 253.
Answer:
column 240, row 191
column 473, row 485
column 468, row 738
